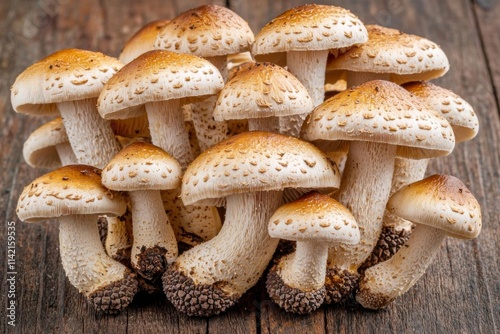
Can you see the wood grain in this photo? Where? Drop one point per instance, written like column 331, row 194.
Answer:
column 460, row 293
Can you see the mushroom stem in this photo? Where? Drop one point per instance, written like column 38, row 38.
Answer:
column 154, row 245
column 309, row 67
column 166, row 124
column 358, row 78
column 90, row 136
column 364, row 190
column 239, row 254
column 385, row 281
column 117, row 240
column 83, row 257
column 269, row 124
column 305, row 269
column 66, row 154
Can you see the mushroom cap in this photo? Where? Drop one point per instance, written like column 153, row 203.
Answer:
column 155, row 76
column 262, row 90
column 69, row 190
column 142, row 41
column 39, row 149
column 142, row 166
column 406, row 57
column 206, row 31
column 66, row 75
column 314, row 217
column 310, row 28
column 458, row 112
column 381, row 112
column 439, row 201
column 256, row 161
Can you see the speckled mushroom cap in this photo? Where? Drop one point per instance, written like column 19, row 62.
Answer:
column 69, row 190
column 406, row 57
column 314, row 217
column 66, row 75
column 142, row 41
column 206, row 31
column 262, row 90
column 439, row 201
column 308, row 28
column 157, row 76
column 39, row 149
column 256, row 161
column 382, row 112
column 456, row 110
column 142, row 166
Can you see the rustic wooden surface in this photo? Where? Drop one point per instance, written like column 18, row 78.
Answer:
column 460, row 293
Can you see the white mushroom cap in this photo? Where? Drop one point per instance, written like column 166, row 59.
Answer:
column 142, row 41
column 69, row 190
column 206, row 31
column 383, row 112
column 406, row 57
column 456, row 110
column 66, row 75
column 314, row 217
column 256, row 161
column 39, row 149
column 439, row 201
column 262, row 90
column 310, row 27
column 142, row 166
column 157, row 76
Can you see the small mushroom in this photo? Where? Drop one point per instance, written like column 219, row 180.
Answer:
column 441, row 206
column 75, row 196
column 297, row 281
column 142, row 41
column 248, row 172
column 142, row 170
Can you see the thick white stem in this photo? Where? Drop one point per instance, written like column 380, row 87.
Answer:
column 269, row 124
column 66, row 154
column 117, row 239
column 309, row 67
column 239, row 254
column 151, row 227
column 364, row 190
column 83, row 257
column 166, row 124
column 385, row 281
column 305, row 269
column 90, row 136
column 358, row 78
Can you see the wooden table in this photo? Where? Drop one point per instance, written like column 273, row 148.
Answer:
column 460, row 293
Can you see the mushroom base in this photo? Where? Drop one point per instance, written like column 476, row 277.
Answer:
column 292, row 299
column 340, row 284
column 116, row 296
column 193, row 299
column 151, row 262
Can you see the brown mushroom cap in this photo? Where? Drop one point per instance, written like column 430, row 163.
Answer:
column 456, row 110
column 157, row 76
column 406, row 57
column 383, row 112
column 206, row 31
column 69, row 190
column 310, row 27
column 262, row 90
column 142, row 166
column 39, row 149
column 66, row 75
column 142, row 41
column 256, row 161
column 439, row 201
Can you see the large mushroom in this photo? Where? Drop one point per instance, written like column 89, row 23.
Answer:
column 75, row 196
column 143, row 170
column 380, row 120
column 306, row 34
column 441, row 206
column 68, row 83
column 248, row 173
column 297, row 281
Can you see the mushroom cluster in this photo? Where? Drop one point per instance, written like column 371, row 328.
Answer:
column 180, row 165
